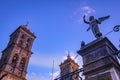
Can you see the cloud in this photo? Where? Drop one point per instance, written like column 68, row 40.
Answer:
column 87, row 10
column 82, row 10
column 44, row 61
column 55, row 74
column 35, row 76
column 40, row 60
column 38, row 76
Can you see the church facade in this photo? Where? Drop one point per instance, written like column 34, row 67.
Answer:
column 15, row 57
column 68, row 66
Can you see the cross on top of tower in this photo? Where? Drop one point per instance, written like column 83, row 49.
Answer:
column 26, row 26
column 68, row 57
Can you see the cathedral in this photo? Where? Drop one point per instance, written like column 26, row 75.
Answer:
column 15, row 57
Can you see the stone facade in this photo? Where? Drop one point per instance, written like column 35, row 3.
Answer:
column 16, row 55
column 99, row 61
column 69, row 66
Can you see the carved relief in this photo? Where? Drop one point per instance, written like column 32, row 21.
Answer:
column 95, row 55
column 97, row 64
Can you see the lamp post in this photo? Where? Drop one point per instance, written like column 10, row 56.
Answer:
column 116, row 29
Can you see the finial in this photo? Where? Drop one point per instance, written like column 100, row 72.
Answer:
column 26, row 26
column 82, row 43
column 68, row 55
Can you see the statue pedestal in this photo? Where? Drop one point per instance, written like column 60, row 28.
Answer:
column 99, row 63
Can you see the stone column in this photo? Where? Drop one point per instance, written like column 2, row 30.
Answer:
column 99, row 63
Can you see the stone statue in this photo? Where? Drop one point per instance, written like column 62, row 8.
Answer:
column 93, row 24
column 82, row 43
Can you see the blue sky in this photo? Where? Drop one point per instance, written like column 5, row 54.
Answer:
column 58, row 26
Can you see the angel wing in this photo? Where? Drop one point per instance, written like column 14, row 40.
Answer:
column 103, row 18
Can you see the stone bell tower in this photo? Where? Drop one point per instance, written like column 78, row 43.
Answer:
column 16, row 55
column 69, row 66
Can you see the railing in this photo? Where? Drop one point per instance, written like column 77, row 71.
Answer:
column 74, row 74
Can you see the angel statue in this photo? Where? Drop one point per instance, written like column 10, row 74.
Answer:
column 93, row 24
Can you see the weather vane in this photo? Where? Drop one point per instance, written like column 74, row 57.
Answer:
column 93, row 24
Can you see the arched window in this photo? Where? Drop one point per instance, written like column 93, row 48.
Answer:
column 20, row 42
column 22, row 64
column 14, row 60
column 23, row 36
column 29, row 41
column 27, row 46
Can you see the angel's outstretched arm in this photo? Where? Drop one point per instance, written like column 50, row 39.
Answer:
column 85, row 20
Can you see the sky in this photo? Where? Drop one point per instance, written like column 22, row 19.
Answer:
column 59, row 28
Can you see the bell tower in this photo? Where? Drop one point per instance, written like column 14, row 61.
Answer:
column 16, row 55
column 67, row 67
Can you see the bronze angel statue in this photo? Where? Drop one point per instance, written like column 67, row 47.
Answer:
column 93, row 24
